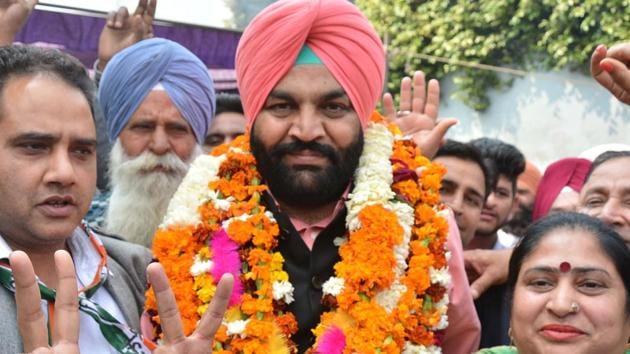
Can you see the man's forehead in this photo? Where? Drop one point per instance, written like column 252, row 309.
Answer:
column 607, row 186
column 615, row 172
column 158, row 105
column 504, row 180
column 454, row 162
column 36, row 105
column 616, row 164
column 461, row 172
column 308, row 79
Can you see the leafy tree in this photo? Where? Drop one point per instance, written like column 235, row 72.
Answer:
column 512, row 34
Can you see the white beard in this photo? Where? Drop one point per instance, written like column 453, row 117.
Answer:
column 140, row 198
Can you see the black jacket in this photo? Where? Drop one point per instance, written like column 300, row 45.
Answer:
column 307, row 269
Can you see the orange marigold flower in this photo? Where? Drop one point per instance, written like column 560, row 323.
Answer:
column 259, row 329
column 257, row 256
column 251, row 306
column 408, row 189
column 379, row 230
column 221, row 334
column 210, row 216
column 421, row 336
column 423, row 213
column 287, row 323
column 240, row 231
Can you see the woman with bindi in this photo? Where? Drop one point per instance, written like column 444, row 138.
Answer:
column 569, row 281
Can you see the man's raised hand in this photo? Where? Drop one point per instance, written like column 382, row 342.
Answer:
column 123, row 30
column 31, row 320
column 13, row 16
column 417, row 115
column 611, row 68
column 200, row 341
column 65, row 335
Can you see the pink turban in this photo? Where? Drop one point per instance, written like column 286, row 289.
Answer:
column 569, row 172
column 337, row 32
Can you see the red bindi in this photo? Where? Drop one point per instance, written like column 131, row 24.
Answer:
column 565, row 267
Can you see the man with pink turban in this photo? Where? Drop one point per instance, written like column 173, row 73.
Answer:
column 560, row 187
column 310, row 74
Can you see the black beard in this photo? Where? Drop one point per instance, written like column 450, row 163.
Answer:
column 307, row 186
column 520, row 221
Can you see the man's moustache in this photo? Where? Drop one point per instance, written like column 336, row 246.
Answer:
column 299, row 146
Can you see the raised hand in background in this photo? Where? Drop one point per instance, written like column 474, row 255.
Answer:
column 417, row 115
column 611, row 68
column 123, row 30
column 13, row 16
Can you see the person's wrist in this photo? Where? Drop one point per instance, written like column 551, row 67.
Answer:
column 6, row 39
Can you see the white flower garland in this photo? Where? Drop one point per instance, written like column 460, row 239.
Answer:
column 193, row 192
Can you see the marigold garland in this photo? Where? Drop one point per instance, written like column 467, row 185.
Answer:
column 392, row 303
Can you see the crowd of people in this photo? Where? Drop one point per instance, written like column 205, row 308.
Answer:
column 291, row 217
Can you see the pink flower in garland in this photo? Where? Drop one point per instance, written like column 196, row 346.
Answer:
column 333, row 341
column 226, row 260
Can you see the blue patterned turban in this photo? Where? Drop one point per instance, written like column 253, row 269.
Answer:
column 136, row 70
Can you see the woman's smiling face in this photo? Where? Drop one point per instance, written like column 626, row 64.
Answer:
column 569, row 298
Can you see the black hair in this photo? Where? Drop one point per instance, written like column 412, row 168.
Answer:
column 22, row 60
column 605, row 157
column 507, row 159
column 467, row 152
column 228, row 102
column 609, row 240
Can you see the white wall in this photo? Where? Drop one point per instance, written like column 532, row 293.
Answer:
column 547, row 115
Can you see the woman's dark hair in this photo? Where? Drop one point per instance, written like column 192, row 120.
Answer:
column 609, row 240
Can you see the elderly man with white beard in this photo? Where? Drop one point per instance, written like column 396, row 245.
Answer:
column 158, row 100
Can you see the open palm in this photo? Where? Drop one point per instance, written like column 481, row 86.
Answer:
column 417, row 116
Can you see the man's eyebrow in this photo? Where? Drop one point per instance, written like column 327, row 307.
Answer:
column 475, row 192
column 177, row 125
column 285, row 95
column 280, row 94
column 144, row 121
column 334, row 94
column 33, row 136
column 85, row 142
column 448, row 182
column 596, row 189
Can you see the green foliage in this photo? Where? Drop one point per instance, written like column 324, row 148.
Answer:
column 525, row 34
column 243, row 11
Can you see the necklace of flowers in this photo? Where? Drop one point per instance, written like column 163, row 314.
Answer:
column 395, row 302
